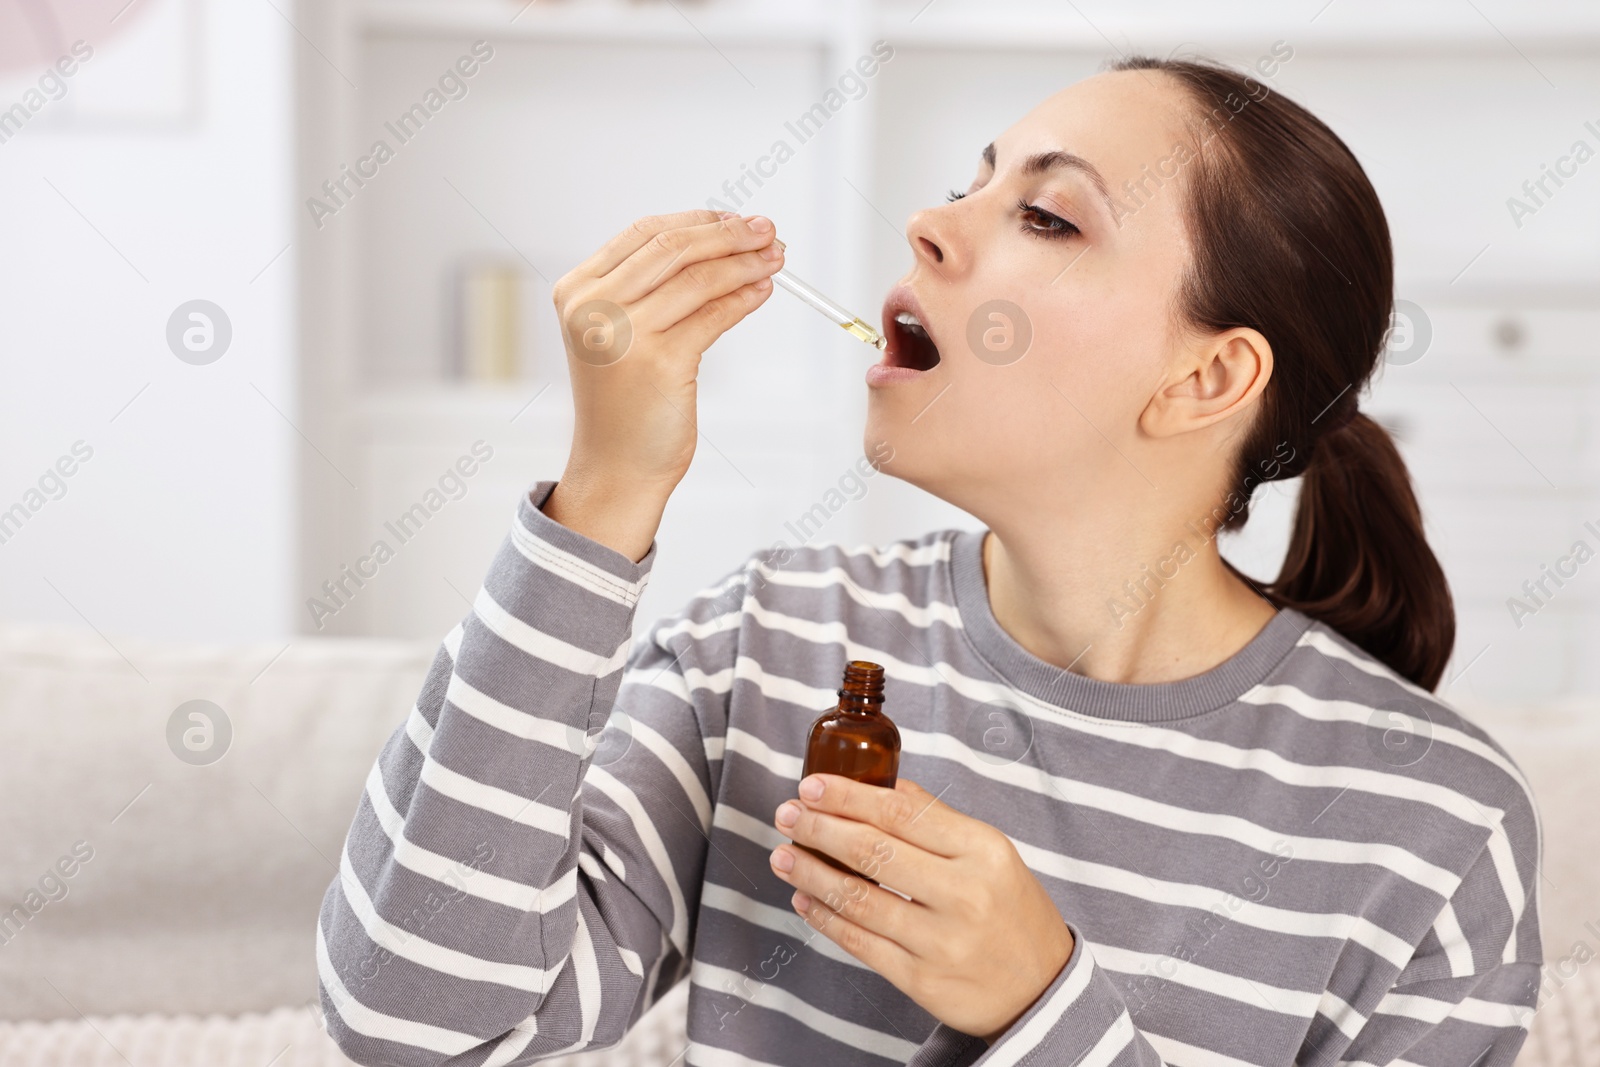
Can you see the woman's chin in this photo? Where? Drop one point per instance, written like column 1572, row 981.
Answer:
column 883, row 443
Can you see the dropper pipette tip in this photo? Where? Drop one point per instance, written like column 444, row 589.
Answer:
column 854, row 325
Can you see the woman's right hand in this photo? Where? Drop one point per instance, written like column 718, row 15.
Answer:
column 636, row 317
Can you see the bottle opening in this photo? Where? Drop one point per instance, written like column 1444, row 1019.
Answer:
column 863, row 682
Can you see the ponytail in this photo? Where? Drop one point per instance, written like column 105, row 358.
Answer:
column 1358, row 560
column 1288, row 238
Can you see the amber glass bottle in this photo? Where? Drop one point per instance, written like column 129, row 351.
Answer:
column 856, row 739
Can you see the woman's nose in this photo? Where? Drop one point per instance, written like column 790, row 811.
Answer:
column 933, row 238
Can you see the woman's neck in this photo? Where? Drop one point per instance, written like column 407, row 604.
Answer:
column 1117, row 607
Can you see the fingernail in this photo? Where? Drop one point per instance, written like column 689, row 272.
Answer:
column 801, row 901
column 811, row 787
column 788, row 812
column 759, row 224
column 782, row 860
column 770, row 252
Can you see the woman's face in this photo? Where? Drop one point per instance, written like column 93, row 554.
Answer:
column 1053, row 323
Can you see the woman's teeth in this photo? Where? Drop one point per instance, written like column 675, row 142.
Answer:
column 916, row 348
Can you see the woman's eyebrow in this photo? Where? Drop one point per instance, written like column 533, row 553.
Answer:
column 1044, row 162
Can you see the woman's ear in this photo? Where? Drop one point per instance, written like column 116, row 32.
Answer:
column 1220, row 376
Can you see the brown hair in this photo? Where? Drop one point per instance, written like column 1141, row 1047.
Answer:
column 1289, row 239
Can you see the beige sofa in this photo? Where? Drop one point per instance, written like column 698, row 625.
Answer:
column 183, row 932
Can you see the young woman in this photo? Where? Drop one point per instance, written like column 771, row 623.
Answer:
column 1148, row 812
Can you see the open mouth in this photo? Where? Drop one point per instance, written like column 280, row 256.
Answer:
column 909, row 343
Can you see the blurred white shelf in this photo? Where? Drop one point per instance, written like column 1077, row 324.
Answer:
column 605, row 22
column 507, row 399
column 1057, row 32
column 453, row 414
column 1489, row 339
column 536, row 413
column 1373, row 27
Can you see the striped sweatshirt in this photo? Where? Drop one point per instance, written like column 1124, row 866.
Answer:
column 1295, row 857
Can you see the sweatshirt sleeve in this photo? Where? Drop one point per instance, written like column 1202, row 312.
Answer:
column 516, row 883
column 1479, row 1019
column 1472, row 987
column 1465, row 997
column 1080, row 1018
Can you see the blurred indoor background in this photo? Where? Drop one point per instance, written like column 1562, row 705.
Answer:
column 182, row 160
column 261, row 344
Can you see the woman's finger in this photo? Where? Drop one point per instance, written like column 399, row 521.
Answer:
column 630, row 240
column 690, row 288
column 867, row 850
column 869, row 906
column 697, row 331
column 908, row 812
column 880, row 953
column 683, row 251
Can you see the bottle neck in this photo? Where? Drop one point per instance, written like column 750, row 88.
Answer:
column 862, row 690
column 853, row 704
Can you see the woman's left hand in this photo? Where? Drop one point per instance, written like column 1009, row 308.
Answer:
column 979, row 939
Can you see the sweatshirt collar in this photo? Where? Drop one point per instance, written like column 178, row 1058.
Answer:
column 1159, row 702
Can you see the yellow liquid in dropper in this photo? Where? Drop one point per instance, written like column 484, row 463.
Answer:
column 861, row 331
column 857, row 328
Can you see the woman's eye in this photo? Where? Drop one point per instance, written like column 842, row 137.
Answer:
column 953, row 195
column 1037, row 220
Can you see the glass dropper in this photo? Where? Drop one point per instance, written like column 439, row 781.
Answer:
column 853, row 325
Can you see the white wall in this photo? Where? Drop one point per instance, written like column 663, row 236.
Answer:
column 161, row 177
